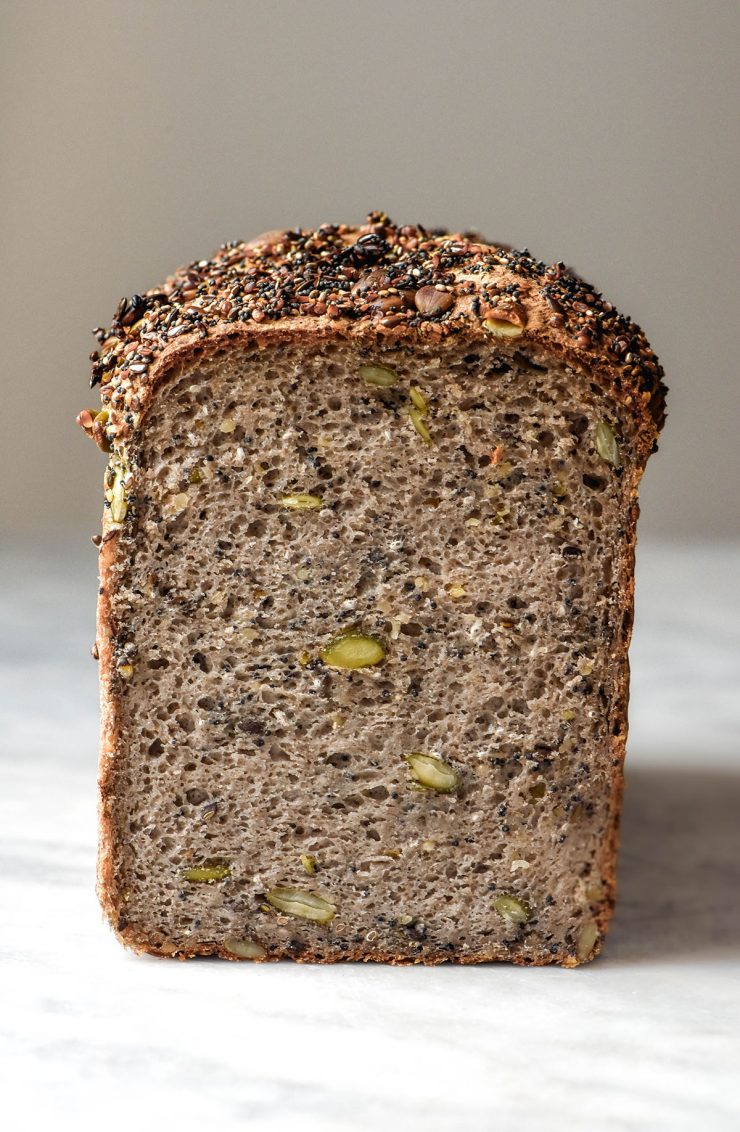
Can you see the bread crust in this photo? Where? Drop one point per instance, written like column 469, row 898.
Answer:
column 341, row 280
column 154, row 335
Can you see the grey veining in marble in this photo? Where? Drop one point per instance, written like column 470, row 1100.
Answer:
column 647, row 1038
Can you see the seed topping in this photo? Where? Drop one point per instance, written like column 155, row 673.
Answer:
column 393, row 277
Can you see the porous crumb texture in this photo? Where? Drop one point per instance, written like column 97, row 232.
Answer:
column 278, row 500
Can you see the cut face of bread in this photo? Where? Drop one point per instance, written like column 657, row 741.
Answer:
column 364, row 632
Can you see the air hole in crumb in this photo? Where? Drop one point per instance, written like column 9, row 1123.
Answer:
column 596, row 483
column 377, row 793
column 338, row 759
column 428, row 564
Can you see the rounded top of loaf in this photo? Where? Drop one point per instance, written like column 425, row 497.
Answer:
column 383, row 281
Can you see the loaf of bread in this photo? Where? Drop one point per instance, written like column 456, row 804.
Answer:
column 366, row 579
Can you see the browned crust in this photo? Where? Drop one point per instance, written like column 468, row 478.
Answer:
column 108, row 894
column 507, row 283
column 144, row 946
column 344, row 280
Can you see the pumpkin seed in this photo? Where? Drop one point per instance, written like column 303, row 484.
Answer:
column 301, row 502
column 586, row 940
column 514, row 911
column 418, row 399
column 207, row 873
column 607, row 445
column 353, row 650
column 381, row 376
column 417, row 420
column 117, row 494
column 502, row 329
column 305, row 905
column 244, row 948
column 432, row 773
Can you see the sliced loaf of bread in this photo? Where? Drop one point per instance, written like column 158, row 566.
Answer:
column 365, row 600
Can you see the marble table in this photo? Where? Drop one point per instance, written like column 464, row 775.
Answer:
column 645, row 1038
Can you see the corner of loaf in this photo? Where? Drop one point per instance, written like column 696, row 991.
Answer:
column 366, row 598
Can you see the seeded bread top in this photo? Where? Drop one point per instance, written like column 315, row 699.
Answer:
column 397, row 283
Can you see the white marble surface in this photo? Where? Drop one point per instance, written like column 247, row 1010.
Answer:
column 646, row 1038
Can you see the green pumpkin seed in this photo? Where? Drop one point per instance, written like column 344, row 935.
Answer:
column 305, row 905
column 381, row 376
column 116, row 495
column 207, row 873
column 432, row 773
column 244, row 948
column 301, row 502
column 418, row 399
column 515, row 912
column 607, row 445
column 586, row 940
column 353, row 650
column 417, row 420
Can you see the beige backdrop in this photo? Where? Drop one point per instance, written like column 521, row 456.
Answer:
column 139, row 135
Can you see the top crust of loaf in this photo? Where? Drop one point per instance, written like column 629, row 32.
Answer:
column 381, row 282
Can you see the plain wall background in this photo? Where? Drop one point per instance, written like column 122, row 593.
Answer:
column 137, row 136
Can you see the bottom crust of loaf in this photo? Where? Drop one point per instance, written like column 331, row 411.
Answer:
column 560, row 958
